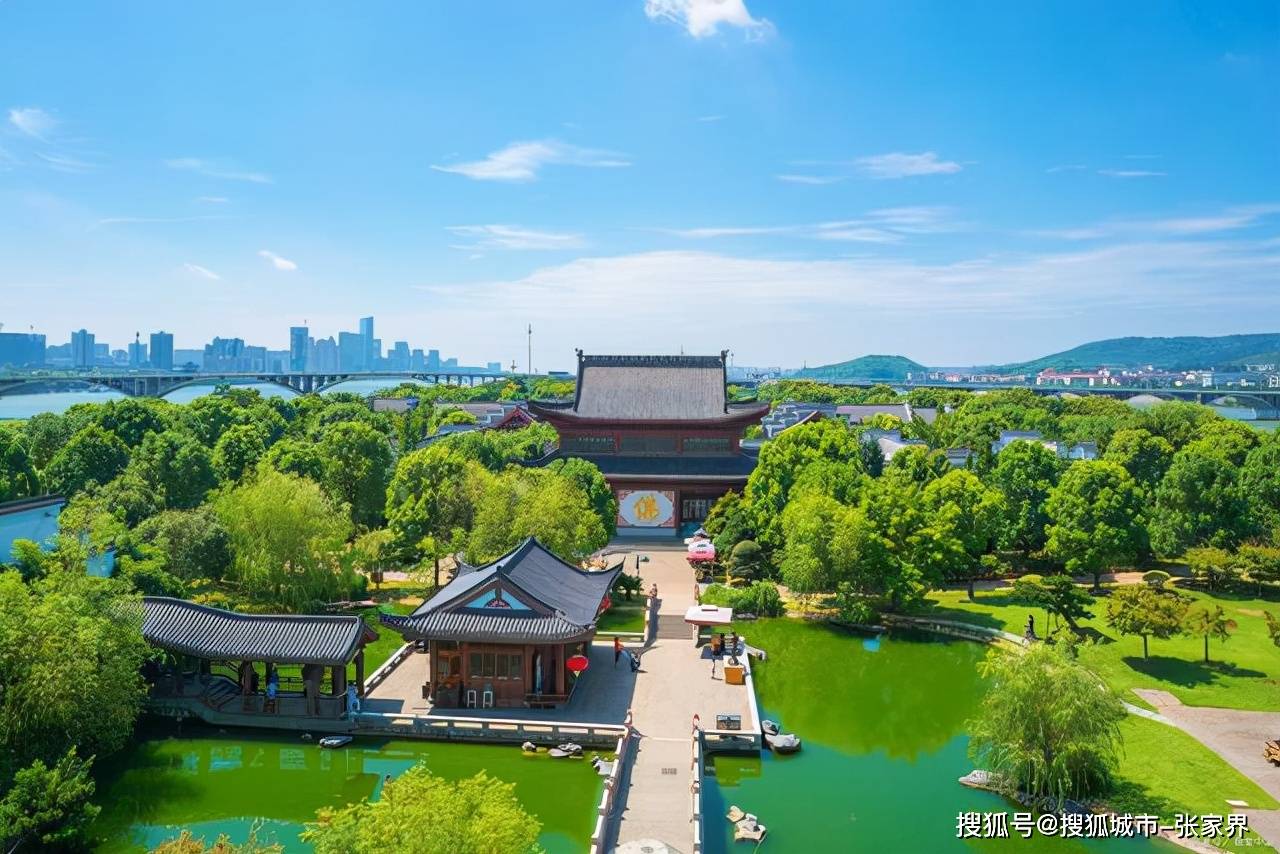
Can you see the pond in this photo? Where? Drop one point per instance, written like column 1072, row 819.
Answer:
column 215, row 782
column 882, row 722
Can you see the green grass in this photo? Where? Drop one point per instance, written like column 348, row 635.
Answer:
column 623, row 616
column 1164, row 772
column 1243, row 673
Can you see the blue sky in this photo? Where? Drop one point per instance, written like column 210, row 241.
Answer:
column 958, row 182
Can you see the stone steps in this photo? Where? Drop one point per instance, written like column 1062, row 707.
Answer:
column 673, row 627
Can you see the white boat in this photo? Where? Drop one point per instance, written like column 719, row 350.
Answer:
column 334, row 741
column 779, row 742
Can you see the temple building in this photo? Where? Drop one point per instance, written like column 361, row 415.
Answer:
column 662, row 431
column 500, row 635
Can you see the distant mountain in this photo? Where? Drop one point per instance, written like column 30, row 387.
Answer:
column 866, row 368
column 1180, row 353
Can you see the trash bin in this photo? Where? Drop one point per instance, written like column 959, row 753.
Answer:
column 735, row 674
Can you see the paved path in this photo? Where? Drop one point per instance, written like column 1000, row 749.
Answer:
column 674, row 685
column 1237, row 736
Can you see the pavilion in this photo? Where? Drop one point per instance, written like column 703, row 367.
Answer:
column 661, row 430
column 499, row 635
column 213, row 654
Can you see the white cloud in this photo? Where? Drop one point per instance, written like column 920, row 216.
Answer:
column 148, row 220
column 716, row 118
column 203, row 272
column 816, row 180
column 886, row 225
column 702, row 18
column 1229, row 219
column 32, row 121
column 1067, row 167
column 521, row 161
column 277, row 261
column 898, row 164
column 1131, row 173
column 63, row 163
column 514, row 237
column 217, row 169
column 212, row 200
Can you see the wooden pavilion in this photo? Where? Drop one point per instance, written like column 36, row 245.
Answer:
column 213, row 656
column 499, row 635
column 661, row 430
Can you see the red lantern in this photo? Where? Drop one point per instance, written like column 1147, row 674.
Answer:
column 576, row 663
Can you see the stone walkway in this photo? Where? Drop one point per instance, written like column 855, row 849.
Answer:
column 1237, row 736
column 675, row 684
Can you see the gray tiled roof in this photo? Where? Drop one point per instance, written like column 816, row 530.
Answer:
column 737, row 465
column 212, row 633
column 651, row 388
column 572, row 595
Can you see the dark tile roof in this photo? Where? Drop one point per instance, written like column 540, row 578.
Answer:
column 739, row 465
column 651, row 388
column 212, row 633
column 23, row 505
column 572, row 595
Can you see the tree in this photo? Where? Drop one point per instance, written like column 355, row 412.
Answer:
column 1144, row 456
column 131, row 419
column 371, row 552
column 178, row 466
column 1273, row 627
column 1047, row 726
column 1260, row 483
column 18, row 478
column 965, row 521
column 297, row 456
column 1057, row 594
column 238, row 451
column 1259, row 565
column 71, row 655
column 729, row 522
column 522, row 503
column 185, row 843
column 91, row 456
column 193, row 543
column 45, row 433
column 286, row 536
column 50, row 806
column 1198, row 502
column 1136, row 609
column 1094, row 519
column 746, row 561
column 1025, row 472
column 1213, row 567
column 357, row 469
column 428, row 497
column 420, row 813
column 589, row 479
column 1209, row 622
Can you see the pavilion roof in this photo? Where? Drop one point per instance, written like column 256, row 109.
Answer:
column 212, row 633
column 651, row 388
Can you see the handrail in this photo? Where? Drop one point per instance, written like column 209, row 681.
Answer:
column 695, row 790
column 378, row 676
column 612, row 783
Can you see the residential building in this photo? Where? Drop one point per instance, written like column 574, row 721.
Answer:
column 1080, row 451
column 372, row 349
column 351, row 351
column 162, row 351
column 83, row 350
column 225, row 354
column 417, row 360
column 399, row 356
column 299, row 344
column 324, row 356
column 137, row 352
column 433, row 360
column 21, row 350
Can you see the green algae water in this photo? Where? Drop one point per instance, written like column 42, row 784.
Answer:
column 882, row 723
column 232, row 783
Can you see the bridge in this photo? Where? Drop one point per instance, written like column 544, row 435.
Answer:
column 160, row 383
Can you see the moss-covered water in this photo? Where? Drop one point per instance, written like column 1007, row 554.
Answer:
column 882, row 721
column 215, row 782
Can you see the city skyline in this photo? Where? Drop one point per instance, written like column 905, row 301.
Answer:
column 797, row 184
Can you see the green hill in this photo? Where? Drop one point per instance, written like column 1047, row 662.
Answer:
column 1180, row 353
column 866, row 368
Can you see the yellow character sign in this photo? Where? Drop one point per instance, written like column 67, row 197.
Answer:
column 646, row 508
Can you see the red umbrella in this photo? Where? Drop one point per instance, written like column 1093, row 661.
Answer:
column 576, row 663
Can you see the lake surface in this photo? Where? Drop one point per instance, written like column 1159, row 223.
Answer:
column 883, row 729
column 216, row 783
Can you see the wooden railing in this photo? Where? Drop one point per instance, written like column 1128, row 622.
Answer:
column 954, row 628
column 696, row 790
column 384, row 669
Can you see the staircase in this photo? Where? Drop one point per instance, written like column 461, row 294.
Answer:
column 673, row 627
column 219, row 692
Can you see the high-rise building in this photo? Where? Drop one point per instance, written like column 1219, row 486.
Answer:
column 299, row 340
column 225, row 354
column 495, row 367
column 324, row 355
column 137, row 352
column 376, row 361
column 400, row 356
column 162, row 351
column 21, row 350
column 371, row 350
column 83, row 350
column 351, row 351
column 417, row 360
column 433, row 360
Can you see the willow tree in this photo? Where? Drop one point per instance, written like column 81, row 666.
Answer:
column 1047, row 727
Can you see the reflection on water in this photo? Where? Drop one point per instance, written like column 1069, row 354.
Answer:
column 222, row 783
column 884, row 743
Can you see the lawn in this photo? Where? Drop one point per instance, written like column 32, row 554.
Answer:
column 623, row 616
column 1243, row 673
column 1164, row 771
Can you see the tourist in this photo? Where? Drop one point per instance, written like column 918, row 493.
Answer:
column 617, row 649
column 733, row 647
column 713, row 664
column 353, row 701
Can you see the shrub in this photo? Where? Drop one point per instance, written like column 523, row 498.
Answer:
column 761, row 598
column 1156, row 578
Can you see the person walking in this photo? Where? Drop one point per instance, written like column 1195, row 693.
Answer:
column 617, row 649
column 713, row 664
